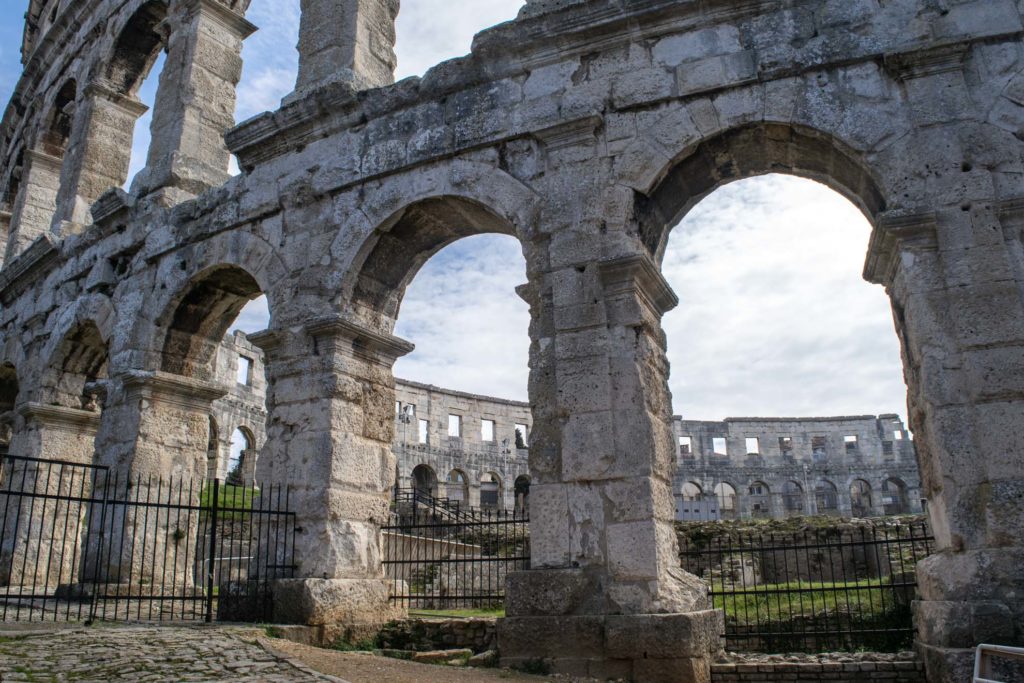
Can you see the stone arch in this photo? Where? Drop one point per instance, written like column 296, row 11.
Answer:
column 826, row 497
column 57, row 132
column 793, row 498
column 861, row 502
column 240, row 468
column 744, row 152
column 728, row 499
column 691, row 491
column 372, row 274
column 76, row 373
column 759, row 499
column 424, row 480
column 136, row 49
column 457, row 486
column 895, row 498
column 491, row 491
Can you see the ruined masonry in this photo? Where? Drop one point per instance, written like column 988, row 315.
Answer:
column 586, row 129
column 474, row 450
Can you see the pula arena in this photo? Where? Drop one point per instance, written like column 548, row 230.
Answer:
column 474, row 450
column 586, row 129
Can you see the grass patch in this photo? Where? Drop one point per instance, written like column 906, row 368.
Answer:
column 867, row 597
column 365, row 645
column 229, row 497
column 457, row 613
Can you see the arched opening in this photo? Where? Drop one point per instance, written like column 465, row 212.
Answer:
column 760, row 500
column 826, row 498
column 199, row 320
column 894, row 496
column 727, row 500
column 78, row 370
column 8, row 400
column 240, row 458
column 692, row 491
column 490, row 492
column 57, row 134
column 424, row 480
column 793, row 498
column 860, row 498
column 270, row 61
column 457, row 487
column 522, row 490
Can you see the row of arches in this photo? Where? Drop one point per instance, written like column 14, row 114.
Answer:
column 488, row 492
column 891, row 496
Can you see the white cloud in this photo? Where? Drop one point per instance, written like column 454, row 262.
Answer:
column 775, row 317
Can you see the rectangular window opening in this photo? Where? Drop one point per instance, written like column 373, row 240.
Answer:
column 851, row 443
column 487, row 430
column 685, row 445
column 245, row 371
column 718, row 445
column 786, row 445
column 753, row 446
column 455, row 426
column 897, row 435
column 818, row 446
column 887, row 448
column 424, row 431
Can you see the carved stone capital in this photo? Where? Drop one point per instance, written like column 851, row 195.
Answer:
column 185, row 392
column 895, row 232
column 365, row 343
column 638, row 276
column 65, row 419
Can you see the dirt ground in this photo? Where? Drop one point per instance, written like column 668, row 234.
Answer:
column 362, row 668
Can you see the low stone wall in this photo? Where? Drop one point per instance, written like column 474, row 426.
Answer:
column 425, row 635
column 836, row 668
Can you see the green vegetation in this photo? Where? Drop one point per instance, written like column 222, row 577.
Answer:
column 233, row 498
column 785, row 601
column 364, row 645
column 498, row 612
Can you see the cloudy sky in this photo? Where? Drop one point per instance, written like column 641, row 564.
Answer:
column 775, row 318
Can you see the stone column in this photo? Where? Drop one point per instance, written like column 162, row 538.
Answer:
column 41, row 537
column 155, row 435
column 960, row 315
column 36, row 201
column 844, row 503
column 195, row 101
column 331, row 396
column 606, row 596
column 351, row 42
column 98, row 155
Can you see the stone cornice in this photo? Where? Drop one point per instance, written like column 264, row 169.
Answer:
column 365, row 342
column 186, row 392
column 928, row 62
column 111, row 203
column 896, row 231
column 570, row 133
column 103, row 89
column 637, row 275
column 223, row 15
column 59, row 416
column 25, row 265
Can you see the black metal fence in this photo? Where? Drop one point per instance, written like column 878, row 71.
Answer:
column 442, row 556
column 814, row 590
column 79, row 543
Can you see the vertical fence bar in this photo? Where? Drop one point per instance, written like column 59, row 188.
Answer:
column 213, row 549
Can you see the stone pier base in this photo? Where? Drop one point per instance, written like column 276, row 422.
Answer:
column 653, row 648
column 342, row 609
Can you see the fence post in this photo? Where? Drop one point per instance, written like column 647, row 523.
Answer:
column 212, row 557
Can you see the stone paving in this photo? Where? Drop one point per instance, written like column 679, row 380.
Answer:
column 139, row 654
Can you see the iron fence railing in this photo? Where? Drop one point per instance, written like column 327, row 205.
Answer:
column 81, row 543
column 844, row 587
column 453, row 559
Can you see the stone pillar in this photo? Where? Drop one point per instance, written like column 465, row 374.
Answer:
column 41, row 537
column 960, row 315
column 331, row 397
column 155, row 435
column 606, row 596
column 195, row 101
column 844, row 503
column 36, row 201
column 99, row 153
column 351, row 42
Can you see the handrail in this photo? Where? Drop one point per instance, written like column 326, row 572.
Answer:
column 983, row 663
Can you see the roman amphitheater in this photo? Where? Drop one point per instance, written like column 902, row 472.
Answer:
column 585, row 129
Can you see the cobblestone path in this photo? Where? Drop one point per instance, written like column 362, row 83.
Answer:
column 142, row 654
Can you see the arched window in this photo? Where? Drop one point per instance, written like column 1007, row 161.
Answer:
column 424, row 481
column 793, row 498
column 826, row 498
column 860, row 498
column 490, row 491
column 243, row 448
column 458, row 487
column 894, row 496
column 760, row 499
column 726, row 494
column 692, row 491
